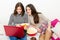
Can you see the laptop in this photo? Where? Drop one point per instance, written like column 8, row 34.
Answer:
column 14, row 31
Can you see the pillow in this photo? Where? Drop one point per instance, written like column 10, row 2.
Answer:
column 54, row 22
column 56, row 29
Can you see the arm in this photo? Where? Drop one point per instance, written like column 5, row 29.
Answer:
column 48, row 23
column 44, row 18
column 11, row 20
column 45, row 22
column 25, row 18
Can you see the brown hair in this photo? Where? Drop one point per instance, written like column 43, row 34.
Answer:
column 34, row 13
column 19, row 4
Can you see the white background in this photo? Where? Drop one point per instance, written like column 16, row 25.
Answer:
column 50, row 9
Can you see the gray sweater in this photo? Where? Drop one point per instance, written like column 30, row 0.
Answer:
column 18, row 19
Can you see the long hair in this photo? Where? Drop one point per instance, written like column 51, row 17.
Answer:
column 34, row 13
column 19, row 4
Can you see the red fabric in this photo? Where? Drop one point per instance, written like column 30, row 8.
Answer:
column 14, row 31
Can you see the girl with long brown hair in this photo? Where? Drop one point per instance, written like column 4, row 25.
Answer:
column 38, row 21
column 19, row 16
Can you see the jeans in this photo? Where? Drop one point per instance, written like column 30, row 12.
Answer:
column 15, row 38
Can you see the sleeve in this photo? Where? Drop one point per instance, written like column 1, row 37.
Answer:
column 26, row 18
column 44, row 18
column 11, row 20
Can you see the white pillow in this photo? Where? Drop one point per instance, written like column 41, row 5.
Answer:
column 56, row 29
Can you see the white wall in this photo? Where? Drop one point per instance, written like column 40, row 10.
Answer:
column 50, row 8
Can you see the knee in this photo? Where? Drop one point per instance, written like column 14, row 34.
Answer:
column 41, row 37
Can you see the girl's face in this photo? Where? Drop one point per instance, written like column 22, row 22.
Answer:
column 19, row 10
column 28, row 10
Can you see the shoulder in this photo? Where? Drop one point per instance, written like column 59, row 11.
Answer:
column 40, row 14
column 25, row 15
column 12, row 15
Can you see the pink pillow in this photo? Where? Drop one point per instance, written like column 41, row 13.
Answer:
column 55, row 39
column 54, row 22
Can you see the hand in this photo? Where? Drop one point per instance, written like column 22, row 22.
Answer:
column 18, row 25
column 39, row 30
column 25, row 27
column 49, row 26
